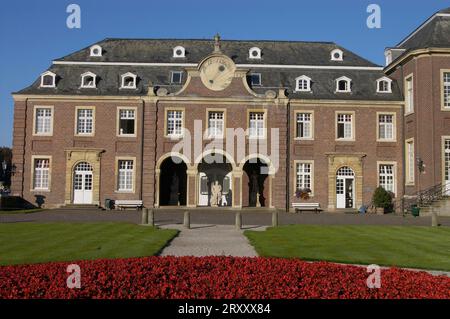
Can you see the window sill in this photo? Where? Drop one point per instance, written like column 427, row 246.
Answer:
column 126, row 135
column 299, row 139
column 386, row 141
column 124, row 192
column 40, row 190
column 345, row 140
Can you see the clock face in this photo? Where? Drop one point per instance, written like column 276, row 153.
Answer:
column 217, row 73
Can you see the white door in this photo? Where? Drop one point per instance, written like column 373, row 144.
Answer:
column 203, row 195
column 447, row 167
column 345, row 185
column 82, row 184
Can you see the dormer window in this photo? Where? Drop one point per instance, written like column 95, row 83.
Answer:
column 128, row 81
column 179, row 52
column 176, row 77
column 255, row 79
column 254, row 53
column 337, row 55
column 88, row 80
column 303, row 84
column 384, row 85
column 48, row 80
column 96, row 50
column 343, row 85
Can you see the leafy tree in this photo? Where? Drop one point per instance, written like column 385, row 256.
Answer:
column 382, row 198
column 5, row 175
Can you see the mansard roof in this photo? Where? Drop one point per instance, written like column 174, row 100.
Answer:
column 153, row 60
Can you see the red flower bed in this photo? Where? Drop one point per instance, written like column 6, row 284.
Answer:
column 215, row 277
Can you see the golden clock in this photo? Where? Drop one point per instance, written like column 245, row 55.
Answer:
column 217, row 72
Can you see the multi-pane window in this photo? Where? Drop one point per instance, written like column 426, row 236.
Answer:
column 386, row 127
column 43, row 119
column 215, row 124
column 125, row 176
column 256, row 125
column 85, row 121
column 446, row 89
column 304, row 125
column 303, row 84
column 174, row 123
column 410, row 162
column 384, row 86
column 345, row 126
column 176, row 77
column 255, row 79
column 127, row 118
column 41, row 174
column 304, row 176
column 447, row 160
column 48, row 80
column 386, row 177
column 409, row 95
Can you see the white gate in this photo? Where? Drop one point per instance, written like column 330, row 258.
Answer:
column 345, row 185
column 82, row 184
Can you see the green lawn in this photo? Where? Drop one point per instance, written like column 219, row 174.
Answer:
column 24, row 243
column 416, row 247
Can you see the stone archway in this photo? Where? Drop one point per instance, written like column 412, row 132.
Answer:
column 172, row 186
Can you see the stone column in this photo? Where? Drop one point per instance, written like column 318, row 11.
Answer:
column 271, row 191
column 157, row 177
column 237, row 189
column 191, row 191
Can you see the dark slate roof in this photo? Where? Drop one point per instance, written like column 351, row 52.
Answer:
column 435, row 32
column 273, row 52
column 160, row 51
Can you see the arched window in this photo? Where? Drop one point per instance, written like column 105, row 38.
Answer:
column 303, row 84
column 343, row 84
column 337, row 55
column 254, row 53
column 96, row 50
column 345, row 171
column 384, row 85
column 179, row 52
column 128, row 81
column 48, row 79
column 88, row 80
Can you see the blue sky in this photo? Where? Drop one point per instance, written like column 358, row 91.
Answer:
column 33, row 33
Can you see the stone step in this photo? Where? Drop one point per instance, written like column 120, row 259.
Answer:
column 80, row 207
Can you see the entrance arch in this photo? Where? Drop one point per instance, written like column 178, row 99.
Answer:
column 345, row 187
column 256, row 182
column 82, row 183
column 172, row 185
column 215, row 181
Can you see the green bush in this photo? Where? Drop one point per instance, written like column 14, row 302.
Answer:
column 382, row 198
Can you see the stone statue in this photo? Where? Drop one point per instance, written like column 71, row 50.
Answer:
column 216, row 194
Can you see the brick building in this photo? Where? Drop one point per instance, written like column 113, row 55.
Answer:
column 234, row 123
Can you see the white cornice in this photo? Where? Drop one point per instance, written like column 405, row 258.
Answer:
column 270, row 66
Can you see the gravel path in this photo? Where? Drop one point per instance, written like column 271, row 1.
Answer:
column 209, row 240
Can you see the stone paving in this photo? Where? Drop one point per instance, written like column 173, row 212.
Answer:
column 210, row 240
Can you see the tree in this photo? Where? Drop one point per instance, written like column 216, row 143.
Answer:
column 5, row 175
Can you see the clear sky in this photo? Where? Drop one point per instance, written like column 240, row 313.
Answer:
column 33, row 33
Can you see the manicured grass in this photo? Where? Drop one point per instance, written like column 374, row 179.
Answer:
column 415, row 247
column 23, row 243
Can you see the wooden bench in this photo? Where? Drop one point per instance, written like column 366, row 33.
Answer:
column 122, row 204
column 307, row 206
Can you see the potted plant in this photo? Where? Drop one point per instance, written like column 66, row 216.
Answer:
column 303, row 193
column 382, row 200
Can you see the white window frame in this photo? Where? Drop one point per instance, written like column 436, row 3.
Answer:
column 48, row 171
column 119, row 111
column 349, row 84
column 128, row 174
column 176, row 120
column 297, row 114
column 124, row 77
column 182, row 54
column 296, row 185
column 389, row 85
column 386, row 175
column 393, row 124
column 35, row 119
column 98, row 48
column 181, row 77
column 48, row 73
column 298, row 80
column 85, row 85
column 345, row 122
column 255, row 130
column 85, row 119
column 410, row 162
column 409, row 94
column 254, row 57
column 445, row 87
column 341, row 55
column 213, row 131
